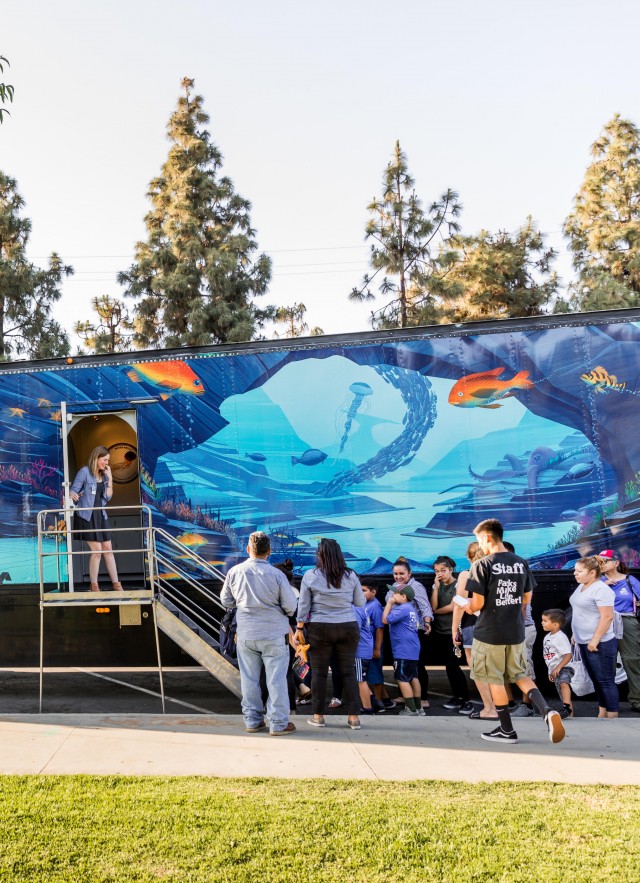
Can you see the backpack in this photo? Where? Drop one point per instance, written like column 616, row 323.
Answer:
column 228, row 628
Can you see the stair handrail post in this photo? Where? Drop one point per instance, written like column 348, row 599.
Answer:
column 66, row 485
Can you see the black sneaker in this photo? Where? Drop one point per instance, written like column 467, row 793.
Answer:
column 555, row 726
column 499, row 735
column 389, row 704
column 453, row 704
column 467, row 708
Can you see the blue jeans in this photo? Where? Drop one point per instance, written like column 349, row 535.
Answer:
column 273, row 654
column 601, row 667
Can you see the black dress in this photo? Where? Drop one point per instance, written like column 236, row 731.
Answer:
column 97, row 529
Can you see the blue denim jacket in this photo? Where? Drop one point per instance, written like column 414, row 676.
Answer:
column 85, row 485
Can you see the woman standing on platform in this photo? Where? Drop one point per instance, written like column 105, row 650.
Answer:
column 91, row 490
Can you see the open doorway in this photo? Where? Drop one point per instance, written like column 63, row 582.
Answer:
column 116, row 431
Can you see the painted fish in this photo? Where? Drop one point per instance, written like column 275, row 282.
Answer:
column 310, row 458
column 56, row 416
column 258, row 458
column 170, row 377
column 192, row 540
column 17, row 412
column 601, row 380
column 484, row 390
column 44, row 403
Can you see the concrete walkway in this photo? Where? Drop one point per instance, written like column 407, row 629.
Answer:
column 393, row 748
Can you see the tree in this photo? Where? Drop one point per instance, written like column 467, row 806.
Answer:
column 196, row 276
column 497, row 276
column 6, row 90
column 404, row 237
column 604, row 227
column 27, row 293
column 113, row 333
column 293, row 320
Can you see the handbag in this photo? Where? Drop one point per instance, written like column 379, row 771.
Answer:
column 581, row 683
column 618, row 627
column 621, row 675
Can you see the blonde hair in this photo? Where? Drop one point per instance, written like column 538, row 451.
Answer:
column 593, row 563
column 94, row 456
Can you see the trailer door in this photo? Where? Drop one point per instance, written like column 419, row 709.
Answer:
column 118, row 432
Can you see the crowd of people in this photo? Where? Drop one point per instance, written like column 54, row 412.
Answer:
column 288, row 641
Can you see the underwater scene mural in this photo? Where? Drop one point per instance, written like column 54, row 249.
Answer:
column 393, row 444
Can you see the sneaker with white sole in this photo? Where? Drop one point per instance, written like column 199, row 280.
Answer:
column 467, row 708
column 522, row 710
column 555, row 726
column 409, row 713
column 453, row 704
column 421, row 712
column 499, row 735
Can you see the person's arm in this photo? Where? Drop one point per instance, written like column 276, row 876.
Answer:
column 606, row 618
column 435, row 603
column 476, row 603
column 359, row 599
column 288, row 600
column 458, row 611
column 226, row 595
column 377, row 650
column 78, row 484
column 108, row 480
column 526, row 599
column 422, row 603
column 387, row 610
column 304, row 607
column 566, row 659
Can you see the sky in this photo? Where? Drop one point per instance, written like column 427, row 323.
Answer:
column 499, row 100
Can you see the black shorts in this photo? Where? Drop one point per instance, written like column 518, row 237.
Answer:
column 405, row 669
column 362, row 669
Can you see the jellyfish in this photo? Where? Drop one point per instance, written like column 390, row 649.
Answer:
column 360, row 392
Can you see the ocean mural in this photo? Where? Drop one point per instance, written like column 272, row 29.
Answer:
column 393, row 444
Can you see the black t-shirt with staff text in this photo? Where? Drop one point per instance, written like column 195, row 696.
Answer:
column 502, row 579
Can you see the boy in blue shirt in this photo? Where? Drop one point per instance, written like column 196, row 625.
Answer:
column 375, row 675
column 364, row 652
column 402, row 620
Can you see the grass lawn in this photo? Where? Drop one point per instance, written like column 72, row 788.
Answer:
column 78, row 828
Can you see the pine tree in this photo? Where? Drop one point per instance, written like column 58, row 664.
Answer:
column 293, row 318
column 113, row 332
column 27, row 293
column 604, row 227
column 6, row 89
column 497, row 276
column 196, row 276
column 403, row 248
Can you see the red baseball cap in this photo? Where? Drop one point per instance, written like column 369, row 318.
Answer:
column 608, row 553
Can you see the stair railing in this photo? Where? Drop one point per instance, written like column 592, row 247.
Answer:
column 164, row 588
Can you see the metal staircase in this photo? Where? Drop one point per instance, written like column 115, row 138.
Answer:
column 193, row 624
column 185, row 609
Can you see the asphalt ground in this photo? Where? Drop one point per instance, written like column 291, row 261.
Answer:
column 188, row 690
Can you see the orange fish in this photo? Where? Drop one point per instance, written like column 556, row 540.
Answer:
column 17, row 412
column 192, row 540
column 171, row 377
column 57, row 416
column 484, row 390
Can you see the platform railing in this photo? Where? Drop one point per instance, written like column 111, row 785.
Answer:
column 56, row 524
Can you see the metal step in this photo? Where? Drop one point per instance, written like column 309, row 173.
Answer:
column 173, row 626
column 186, row 619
